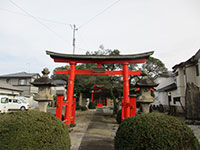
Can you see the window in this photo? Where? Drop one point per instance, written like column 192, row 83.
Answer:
column 4, row 100
column 7, row 80
column 197, row 70
column 176, row 73
column 22, row 81
column 176, row 99
column 184, row 72
column 15, row 101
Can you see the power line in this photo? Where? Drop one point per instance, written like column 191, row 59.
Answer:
column 44, row 25
column 101, row 12
column 44, row 19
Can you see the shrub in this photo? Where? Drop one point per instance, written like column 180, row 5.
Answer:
column 119, row 116
column 92, row 105
column 155, row 131
column 32, row 130
column 84, row 108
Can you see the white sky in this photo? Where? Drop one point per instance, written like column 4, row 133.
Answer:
column 171, row 28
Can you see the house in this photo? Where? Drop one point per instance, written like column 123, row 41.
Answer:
column 174, row 93
column 21, row 81
column 186, row 72
column 166, row 83
column 60, row 86
column 9, row 90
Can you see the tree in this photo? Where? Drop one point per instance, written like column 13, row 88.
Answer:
column 60, row 76
column 154, row 67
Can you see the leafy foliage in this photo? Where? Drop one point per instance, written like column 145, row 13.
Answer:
column 154, row 67
column 32, row 130
column 60, row 76
column 155, row 131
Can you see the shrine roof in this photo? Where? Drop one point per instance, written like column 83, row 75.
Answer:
column 99, row 57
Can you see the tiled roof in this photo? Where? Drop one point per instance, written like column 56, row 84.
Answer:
column 20, row 74
column 59, row 82
column 193, row 59
column 100, row 57
column 170, row 87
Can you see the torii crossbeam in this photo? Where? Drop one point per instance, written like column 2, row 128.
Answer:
column 124, row 60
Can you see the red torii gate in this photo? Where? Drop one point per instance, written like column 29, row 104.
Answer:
column 124, row 60
column 95, row 92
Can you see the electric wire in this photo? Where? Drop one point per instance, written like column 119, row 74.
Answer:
column 44, row 25
column 98, row 14
column 44, row 19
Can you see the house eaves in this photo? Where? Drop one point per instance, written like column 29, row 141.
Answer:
column 19, row 75
column 170, row 87
column 192, row 60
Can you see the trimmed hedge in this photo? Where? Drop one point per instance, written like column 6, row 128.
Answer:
column 92, row 105
column 32, row 130
column 119, row 116
column 155, row 131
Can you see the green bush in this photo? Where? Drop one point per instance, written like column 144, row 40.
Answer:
column 119, row 116
column 155, row 131
column 32, row 130
column 92, row 105
column 84, row 108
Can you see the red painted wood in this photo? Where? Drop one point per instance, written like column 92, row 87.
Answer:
column 106, row 101
column 98, row 65
column 89, row 72
column 73, row 110
column 99, row 105
column 118, row 61
column 123, row 109
column 133, row 106
column 59, row 106
column 70, row 92
column 126, row 90
column 92, row 96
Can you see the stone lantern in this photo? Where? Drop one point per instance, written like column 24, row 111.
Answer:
column 145, row 84
column 44, row 92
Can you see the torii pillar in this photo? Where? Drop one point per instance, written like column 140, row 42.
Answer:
column 126, row 90
column 70, row 92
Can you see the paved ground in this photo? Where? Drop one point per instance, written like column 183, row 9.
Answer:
column 196, row 130
column 100, row 132
column 95, row 130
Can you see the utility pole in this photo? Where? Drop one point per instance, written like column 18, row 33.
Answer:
column 74, row 39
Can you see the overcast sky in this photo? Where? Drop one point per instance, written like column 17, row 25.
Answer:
column 171, row 28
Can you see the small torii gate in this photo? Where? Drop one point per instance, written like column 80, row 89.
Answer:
column 96, row 92
column 124, row 60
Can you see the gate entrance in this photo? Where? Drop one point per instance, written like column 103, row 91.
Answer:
column 128, row 107
column 97, row 97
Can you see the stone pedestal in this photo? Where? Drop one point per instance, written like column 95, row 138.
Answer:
column 145, row 107
column 145, row 100
column 43, row 106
